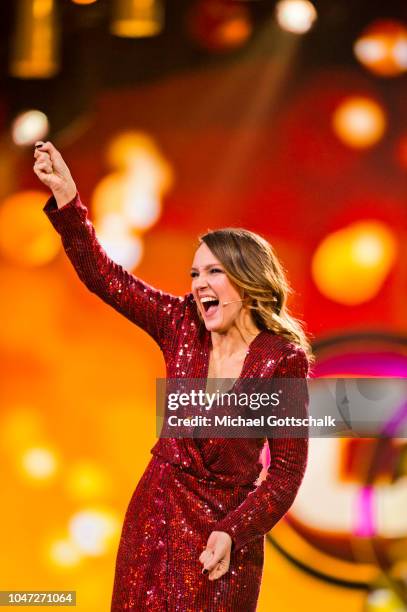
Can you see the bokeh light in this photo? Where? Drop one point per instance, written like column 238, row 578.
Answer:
column 296, row 16
column 35, row 44
column 137, row 18
column 94, row 531
column 383, row 600
column 39, row 463
column 19, row 428
column 127, row 148
column 84, row 1
column 63, row 553
column 29, row 127
column 350, row 265
column 26, row 236
column 220, row 25
column 382, row 48
column 127, row 201
column 359, row 122
column 87, row 480
column 115, row 236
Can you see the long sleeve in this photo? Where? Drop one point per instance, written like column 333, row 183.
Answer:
column 154, row 311
column 269, row 502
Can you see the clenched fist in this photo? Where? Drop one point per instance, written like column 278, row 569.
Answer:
column 54, row 173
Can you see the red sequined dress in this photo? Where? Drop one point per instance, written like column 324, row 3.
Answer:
column 190, row 488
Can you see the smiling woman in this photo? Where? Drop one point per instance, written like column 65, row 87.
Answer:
column 198, row 506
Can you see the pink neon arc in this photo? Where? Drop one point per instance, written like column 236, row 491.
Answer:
column 365, row 526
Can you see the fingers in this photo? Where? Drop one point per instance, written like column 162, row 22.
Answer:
column 206, row 556
column 44, row 163
column 49, row 148
column 209, row 558
column 219, row 570
column 38, row 154
column 44, row 177
column 214, row 564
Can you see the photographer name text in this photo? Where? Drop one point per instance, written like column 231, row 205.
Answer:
column 260, row 421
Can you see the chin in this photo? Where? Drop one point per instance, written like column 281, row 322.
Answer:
column 215, row 326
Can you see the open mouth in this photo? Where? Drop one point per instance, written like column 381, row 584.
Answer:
column 210, row 305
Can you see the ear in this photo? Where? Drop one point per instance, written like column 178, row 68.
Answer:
column 247, row 300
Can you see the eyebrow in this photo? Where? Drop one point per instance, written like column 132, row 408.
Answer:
column 207, row 266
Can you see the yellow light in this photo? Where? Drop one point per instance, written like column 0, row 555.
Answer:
column 137, row 18
column 384, row 600
column 382, row 48
column 128, row 149
column 130, row 198
column 35, row 42
column 296, row 16
column 359, row 122
column 20, row 428
column 39, row 463
column 351, row 265
column 29, row 127
column 25, row 235
column 63, row 553
column 94, row 532
column 86, row 480
column 115, row 235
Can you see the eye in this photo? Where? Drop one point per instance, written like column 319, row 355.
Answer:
column 193, row 274
column 216, row 270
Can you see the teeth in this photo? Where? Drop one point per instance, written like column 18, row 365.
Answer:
column 207, row 299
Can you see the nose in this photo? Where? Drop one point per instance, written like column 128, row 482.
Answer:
column 200, row 281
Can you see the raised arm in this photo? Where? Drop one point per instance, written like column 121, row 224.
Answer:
column 268, row 503
column 151, row 309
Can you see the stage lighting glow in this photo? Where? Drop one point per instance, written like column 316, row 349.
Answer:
column 19, row 428
column 64, row 553
column 39, row 463
column 350, row 265
column 115, row 236
column 296, row 16
column 401, row 151
column 35, row 41
column 127, row 149
column 94, row 532
column 137, row 18
column 25, row 235
column 382, row 48
column 234, row 33
column 84, row 1
column 29, row 127
column 87, row 480
column 359, row 122
column 368, row 249
column 220, row 25
column 128, row 201
column 384, row 600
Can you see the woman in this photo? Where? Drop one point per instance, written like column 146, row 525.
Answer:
column 193, row 534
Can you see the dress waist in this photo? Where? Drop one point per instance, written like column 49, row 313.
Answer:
column 184, row 455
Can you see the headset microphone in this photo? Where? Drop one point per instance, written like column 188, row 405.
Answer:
column 232, row 302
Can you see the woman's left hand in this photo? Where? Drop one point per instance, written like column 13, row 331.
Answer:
column 216, row 556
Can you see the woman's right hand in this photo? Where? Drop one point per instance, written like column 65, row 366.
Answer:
column 54, row 173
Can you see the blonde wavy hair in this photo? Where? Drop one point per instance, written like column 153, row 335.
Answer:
column 251, row 264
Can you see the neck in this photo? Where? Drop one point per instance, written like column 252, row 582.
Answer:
column 236, row 338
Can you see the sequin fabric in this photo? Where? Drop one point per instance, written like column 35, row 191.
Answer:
column 191, row 487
